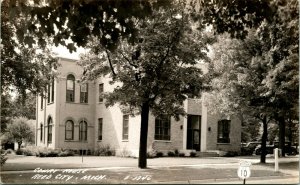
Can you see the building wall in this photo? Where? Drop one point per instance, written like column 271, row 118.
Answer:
column 175, row 142
column 74, row 111
column 61, row 111
column 235, row 134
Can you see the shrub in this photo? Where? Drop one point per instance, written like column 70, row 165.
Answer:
column 44, row 152
column 171, row 154
column 29, row 150
column 159, row 154
column 125, row 153
column 104, row 151
column 9, row 151
column 151, row 153
column 19, row 152
column 176, row 152
column 65, row 153
column 193, row 154
column 3, row 157
column 231, row 154
column 181, row 154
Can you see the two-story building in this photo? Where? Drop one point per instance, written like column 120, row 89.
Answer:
column 72, row 115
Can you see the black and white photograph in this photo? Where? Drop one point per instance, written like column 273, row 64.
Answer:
column 149, row 92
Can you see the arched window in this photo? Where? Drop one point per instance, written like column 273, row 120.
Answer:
column 70, row 96
column 69, row 130
column 49, row 130
column 82, row 131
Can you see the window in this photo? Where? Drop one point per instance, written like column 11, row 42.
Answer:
column 101, row 90
column 41, row 132
column 162, row 128
column 49, row 91
column 70, row 88
column 69, row 130
column 42, row 101
column 84, row 93
column 52, row 90
column 82, row 131
column 100, row 128
column 49, row 130
column 125, row 127
column 223, row 131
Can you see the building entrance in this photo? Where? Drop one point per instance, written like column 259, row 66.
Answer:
column 193, row 132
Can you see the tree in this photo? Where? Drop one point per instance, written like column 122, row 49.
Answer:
column 280, row 38
column 76, row 20
column 7, row 111
column 20, row 131
column 276, row 24
column 155, row 74
column 237, row 72
column 22, row 68
column 25, row 108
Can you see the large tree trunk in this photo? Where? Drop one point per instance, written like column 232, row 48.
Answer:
column 143, row 136
column 264, row 140
column 281, row 135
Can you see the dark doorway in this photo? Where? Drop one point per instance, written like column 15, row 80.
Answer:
column 193, row 132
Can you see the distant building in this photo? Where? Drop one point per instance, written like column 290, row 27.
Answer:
column 73, row 116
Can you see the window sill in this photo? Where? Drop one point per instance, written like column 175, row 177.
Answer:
column 83, row 103
column 163, row 141
column 77, row 103
column 99, row 140
column 76, row 141
column 125, row 140
column 50, row 103
column 223, row 143
column 100, row 102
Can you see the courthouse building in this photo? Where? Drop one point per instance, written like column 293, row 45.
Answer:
column 72, row 115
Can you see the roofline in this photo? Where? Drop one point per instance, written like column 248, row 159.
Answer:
column 68, row 59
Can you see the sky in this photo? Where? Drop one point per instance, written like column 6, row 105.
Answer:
column 64, row 52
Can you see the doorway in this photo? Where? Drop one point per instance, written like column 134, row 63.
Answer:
column 193, row 132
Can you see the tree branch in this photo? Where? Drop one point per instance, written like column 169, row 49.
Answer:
column 132, row 64
column 110, row 63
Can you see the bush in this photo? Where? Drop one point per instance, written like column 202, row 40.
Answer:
column 104, row 151
column 159, row 154
column 66, row 153
column 193, row 154
column 125, row 153
column 231, row 154
column 171, row 154
column 176, row 152
column 151, row 153
column 181, row 155
column 9, row 151
column 19, row 152
column 29, row 150
column 45, row 152
column 3, row 157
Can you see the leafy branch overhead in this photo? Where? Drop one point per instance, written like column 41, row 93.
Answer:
column 159, row 67
column 74, row 20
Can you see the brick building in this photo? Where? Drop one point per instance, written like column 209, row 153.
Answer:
column 73, row 116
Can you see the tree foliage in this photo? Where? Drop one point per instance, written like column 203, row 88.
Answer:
column 158, row 70
column 20, row 131
column 260, row 74
column 23, row 68
column 76, row 20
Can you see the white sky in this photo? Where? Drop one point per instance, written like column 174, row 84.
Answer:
column 64, row 52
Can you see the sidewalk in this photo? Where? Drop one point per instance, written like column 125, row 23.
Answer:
column 160, row 170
